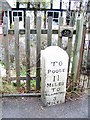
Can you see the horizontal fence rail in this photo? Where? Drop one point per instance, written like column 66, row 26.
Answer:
column 33, row 31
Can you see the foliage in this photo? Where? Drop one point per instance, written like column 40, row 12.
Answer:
column 74, row 91
column 23, row 71
column 36, row 3
column 2, row 63
column 7, row 88
column 74, row 86
column 33, row 84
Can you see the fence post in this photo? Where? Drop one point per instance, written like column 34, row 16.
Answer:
column 81, row 51
column 49, row 35
column 69, row 47
column 69, row 51
column 72, row 20
column 16, row 29
column 38, row 53
column 28, row 53
column 59, row 37
column 6, row 47
column 76, row 54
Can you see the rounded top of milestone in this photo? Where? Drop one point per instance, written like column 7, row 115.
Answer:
column 55, row 50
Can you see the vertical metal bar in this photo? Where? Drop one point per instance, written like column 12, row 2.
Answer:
column 61, row 7
column 6, row 47
column 24, row 17
column 60, row 38
column 51, row 7
column 17, row 4
column 49, row 37
column 16, row 29
column 38, row 53
column 35, row 18
column 44, row 19
column 28, row 53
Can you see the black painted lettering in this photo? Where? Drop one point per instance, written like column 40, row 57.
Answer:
column 48, row 84
column 59, row 70
column 54, row 78
column 58, row 89
column 52, row 85
column 54, row 98
column 56, row 71
column 48, row 103
column 61, row 92
column 60, row 63
column 49, row 71
column 55, row 93
column 59, row 84
column 53, row 63
column 62, row 83
column 54, row 103
column 48, row 94
column 58, row 102
column 58, row 78
column 53, row 89
column 55, row 84
column 53, row 71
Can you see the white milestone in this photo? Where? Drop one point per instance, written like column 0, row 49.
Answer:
column 54, row 67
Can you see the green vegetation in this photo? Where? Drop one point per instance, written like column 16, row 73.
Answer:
column 23, row 71
column 2, row 63
column 33, row 84
column 8, row 88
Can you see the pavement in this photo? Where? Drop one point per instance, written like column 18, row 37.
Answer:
column 32, row 107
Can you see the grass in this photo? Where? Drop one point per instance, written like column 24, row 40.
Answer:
column 23, row 72
column 8, row 88
column 33, row 84
column 5, row 87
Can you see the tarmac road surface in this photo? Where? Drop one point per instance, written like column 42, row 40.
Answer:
column 32, row 107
